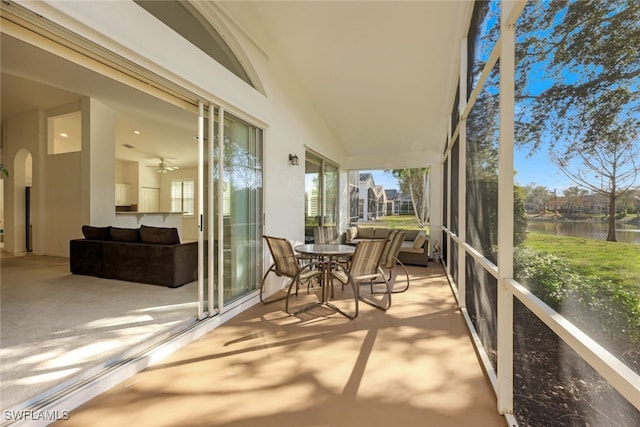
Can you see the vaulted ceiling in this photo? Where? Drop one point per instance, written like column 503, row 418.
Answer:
column 382, row 74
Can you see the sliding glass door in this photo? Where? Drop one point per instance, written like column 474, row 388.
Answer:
column 321, row 193
column 238, row 207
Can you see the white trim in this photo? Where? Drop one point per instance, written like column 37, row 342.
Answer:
column 200, row 213
column 504, row 350
column 213, row 12
column 220, row 225
column 211, row 229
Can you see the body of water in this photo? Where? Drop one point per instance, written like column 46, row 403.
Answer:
column 590, row 230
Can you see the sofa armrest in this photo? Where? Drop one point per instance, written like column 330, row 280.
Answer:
column 85, row 257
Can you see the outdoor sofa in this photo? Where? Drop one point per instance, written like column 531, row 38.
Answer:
column 414, row 249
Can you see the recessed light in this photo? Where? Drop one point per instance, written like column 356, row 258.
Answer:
column 64, row 135
column 137, row 132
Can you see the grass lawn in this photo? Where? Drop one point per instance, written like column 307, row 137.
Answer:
column 406, row 222
column 618, row 262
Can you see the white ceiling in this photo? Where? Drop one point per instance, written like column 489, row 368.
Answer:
column 382, row 74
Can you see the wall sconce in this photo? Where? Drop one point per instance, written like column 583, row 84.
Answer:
column 293, row 160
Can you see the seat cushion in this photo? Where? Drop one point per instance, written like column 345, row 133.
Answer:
column 407, row 246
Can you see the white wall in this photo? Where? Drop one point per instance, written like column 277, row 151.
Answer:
column 99, row 148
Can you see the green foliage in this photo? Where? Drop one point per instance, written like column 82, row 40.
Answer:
column 577, row 77
column 546, row 275
column 415, row 182
column 608, row 312
column 615, row 262
column 519, row 216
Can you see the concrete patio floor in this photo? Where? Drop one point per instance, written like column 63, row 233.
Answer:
column 411, row 366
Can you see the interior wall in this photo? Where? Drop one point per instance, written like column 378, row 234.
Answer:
column 99, row 148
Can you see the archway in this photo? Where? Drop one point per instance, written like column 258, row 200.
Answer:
column 17, row 210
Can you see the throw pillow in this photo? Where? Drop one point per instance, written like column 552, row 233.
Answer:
column 96, row 233
column 159, row 235
column 352, row 233
column 125, row 234
column 419, row 240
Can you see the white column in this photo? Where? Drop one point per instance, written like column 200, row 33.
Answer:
column 510, row 12
column 462, row 177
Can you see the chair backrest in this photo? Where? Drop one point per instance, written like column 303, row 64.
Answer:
column 323, row 234
column 366, row 257
column 283, row 256
column 391, row 250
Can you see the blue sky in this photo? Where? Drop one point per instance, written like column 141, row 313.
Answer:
column 537, row 169
column 384, row 179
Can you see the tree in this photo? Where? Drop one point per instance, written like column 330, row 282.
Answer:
column 415, row 182
column 537, row 197
column 578, row 91
column 575, row 197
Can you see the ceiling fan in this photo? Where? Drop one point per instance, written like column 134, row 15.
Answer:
column 164, row 167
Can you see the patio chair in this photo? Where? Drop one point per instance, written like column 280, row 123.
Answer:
column 322, row 234
column 328, row 235
column 364, row 267
column 390, row 261
column 286, row 263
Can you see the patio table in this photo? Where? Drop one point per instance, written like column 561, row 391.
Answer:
column 328, row 253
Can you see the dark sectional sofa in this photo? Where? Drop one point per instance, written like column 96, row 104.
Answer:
column 152, row 255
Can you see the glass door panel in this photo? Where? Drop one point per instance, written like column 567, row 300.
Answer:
column 330, row 204
column 312, row 200
column 321, row 194
column 240, row 206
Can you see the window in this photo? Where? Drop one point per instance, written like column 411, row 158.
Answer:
column 182, row 193
column 187, row 21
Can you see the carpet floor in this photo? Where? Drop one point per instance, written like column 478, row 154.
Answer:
column 55, row 325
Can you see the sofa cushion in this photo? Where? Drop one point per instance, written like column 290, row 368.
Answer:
column 366, row 232
column 125, row 234
column 418, row 242
column 382, row 233
column 407, row 246
column 159, row 235
column 96, row 233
